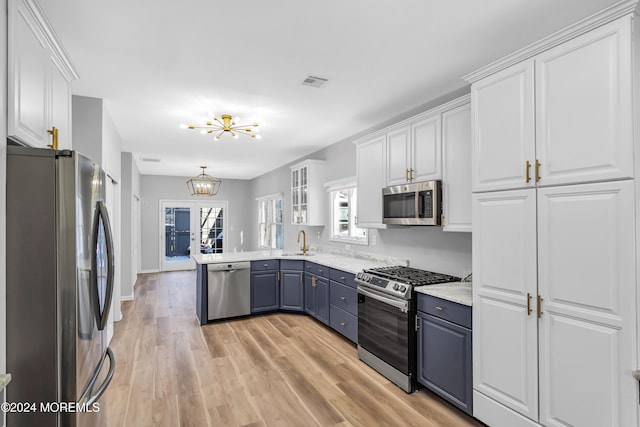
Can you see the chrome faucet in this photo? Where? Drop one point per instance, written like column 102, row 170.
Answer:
column 304, row 247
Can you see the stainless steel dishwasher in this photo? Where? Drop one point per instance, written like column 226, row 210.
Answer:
column 229, row 290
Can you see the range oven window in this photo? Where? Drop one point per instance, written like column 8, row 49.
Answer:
column 384, row 331
column 401, row 205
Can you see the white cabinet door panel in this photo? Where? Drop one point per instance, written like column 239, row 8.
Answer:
column 370, row 167
column 456, row 170
column 584, row 103
column 579, row 375
column 28, row 115
column 586, row 261
column 398, row 152
column 504, row 265
column 511, row 376
column 426, row 150
column 504, row 242
column 502, row 108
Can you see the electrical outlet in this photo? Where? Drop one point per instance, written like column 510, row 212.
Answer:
column 374, row 241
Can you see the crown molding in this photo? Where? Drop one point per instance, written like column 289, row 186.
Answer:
column 52, row 40
column 605, row 16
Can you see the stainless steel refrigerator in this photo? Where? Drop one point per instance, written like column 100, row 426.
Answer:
column 59, row 288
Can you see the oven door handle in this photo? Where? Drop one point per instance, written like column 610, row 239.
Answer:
column 404, row 305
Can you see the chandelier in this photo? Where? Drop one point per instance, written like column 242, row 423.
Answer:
column 203, row 184
column 226, row 124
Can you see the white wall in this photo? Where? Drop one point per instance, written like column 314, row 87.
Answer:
column 154, row 188
column 130, row 196
column 86, row 126
column 425, row 247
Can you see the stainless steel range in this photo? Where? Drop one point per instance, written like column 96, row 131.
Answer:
column 386, row 320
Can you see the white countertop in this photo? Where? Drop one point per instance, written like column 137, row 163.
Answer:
column 459, row 292
column 338, row 261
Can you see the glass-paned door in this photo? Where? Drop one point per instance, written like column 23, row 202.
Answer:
column 187, row 228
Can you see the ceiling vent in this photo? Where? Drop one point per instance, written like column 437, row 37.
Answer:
column 150, row 159
column 314, row 81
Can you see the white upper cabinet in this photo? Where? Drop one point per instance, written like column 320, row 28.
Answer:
column 370, row 162
column 308, row 193
column 398, row 155
column 426, row 149
column 414, row 151
column 583, row 115
column 456, row 169
column 39, row 76
column 503, row 129
column 576, row 128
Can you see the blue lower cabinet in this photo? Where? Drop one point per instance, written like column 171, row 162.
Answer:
column 264, row 292
column 265, row 286
column 343, row 322
column 291, row 290
column 316, row 297
column 444, row 359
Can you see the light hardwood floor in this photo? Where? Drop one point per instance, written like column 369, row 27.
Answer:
column 271, row 370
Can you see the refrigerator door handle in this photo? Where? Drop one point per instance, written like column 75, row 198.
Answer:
column 102, row 315
column 107, row 380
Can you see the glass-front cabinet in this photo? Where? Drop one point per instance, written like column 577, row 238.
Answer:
column 307, row 192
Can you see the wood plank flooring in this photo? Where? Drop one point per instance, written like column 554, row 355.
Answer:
column 271, row 370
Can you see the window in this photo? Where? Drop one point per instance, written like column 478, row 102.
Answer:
column 270, row 221
column 344, row 213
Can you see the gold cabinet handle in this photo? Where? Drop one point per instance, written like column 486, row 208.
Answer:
column 54, row 133
column 313, row 281
column 540, row 299
column 278, row 276
column 527, row 168
column 529, row 309
column 300, row 277
column 537, row 170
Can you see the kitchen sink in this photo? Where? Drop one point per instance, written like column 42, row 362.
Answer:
column 297, row 254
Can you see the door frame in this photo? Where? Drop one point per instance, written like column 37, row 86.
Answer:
column 194, row 225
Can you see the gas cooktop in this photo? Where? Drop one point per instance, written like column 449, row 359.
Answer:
column 411, row 276
column 399, row 281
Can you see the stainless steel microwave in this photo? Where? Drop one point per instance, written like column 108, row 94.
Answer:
column 417, row 203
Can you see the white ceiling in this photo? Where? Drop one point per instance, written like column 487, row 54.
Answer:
column 160, row 63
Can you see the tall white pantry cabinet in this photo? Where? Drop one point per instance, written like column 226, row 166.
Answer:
column 556, row 208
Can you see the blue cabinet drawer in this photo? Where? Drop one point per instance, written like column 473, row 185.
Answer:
column 343, row 322
column 342, row 277
column 291, row 264
column 265, row 265
column 317, row 269
column 447, row 310
column 344, row 297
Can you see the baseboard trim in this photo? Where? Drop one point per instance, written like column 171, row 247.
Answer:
column 126, row 298
column 155, row 270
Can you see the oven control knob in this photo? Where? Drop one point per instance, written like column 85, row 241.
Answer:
column 396, row 287
column 403, row 288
